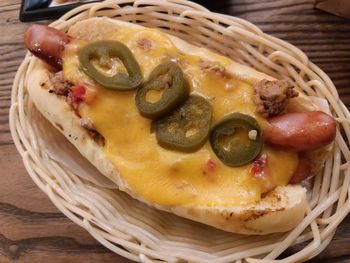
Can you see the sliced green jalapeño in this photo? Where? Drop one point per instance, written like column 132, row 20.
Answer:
column 236, row 139
column 169, row 87
column 103, row 51
column 187, row 127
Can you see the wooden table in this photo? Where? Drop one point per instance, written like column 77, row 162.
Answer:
column 33, row 230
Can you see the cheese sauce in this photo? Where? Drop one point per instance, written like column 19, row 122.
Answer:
column 167, row 177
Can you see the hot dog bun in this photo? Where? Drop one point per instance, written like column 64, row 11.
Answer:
column 279, row 210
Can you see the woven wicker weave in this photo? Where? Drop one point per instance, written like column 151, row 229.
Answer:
column 144, row 234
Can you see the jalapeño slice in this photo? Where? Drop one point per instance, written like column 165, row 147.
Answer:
column 187, row 127
column 169, row 84
column 236, row 139
column 103, row 51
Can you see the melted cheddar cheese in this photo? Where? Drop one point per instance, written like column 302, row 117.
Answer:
column 167, row 177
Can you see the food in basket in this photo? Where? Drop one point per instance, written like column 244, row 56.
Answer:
column 180, row 127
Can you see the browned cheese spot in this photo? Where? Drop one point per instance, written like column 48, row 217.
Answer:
column 145, row 44
column 215, row 68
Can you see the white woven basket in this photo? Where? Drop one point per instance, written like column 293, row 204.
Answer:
column 144, row 234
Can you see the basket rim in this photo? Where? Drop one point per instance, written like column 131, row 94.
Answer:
column 238, row 26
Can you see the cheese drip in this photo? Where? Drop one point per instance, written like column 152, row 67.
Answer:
column 167, row 177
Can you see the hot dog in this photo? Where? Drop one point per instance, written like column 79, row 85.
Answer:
column 287, row 135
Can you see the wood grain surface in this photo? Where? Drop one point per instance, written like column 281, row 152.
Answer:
column 33, row 230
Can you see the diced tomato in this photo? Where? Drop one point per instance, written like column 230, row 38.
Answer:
column 209, row 170
column 76, row 96
column 78, row 92
column 259, row 165
column 211, row 165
